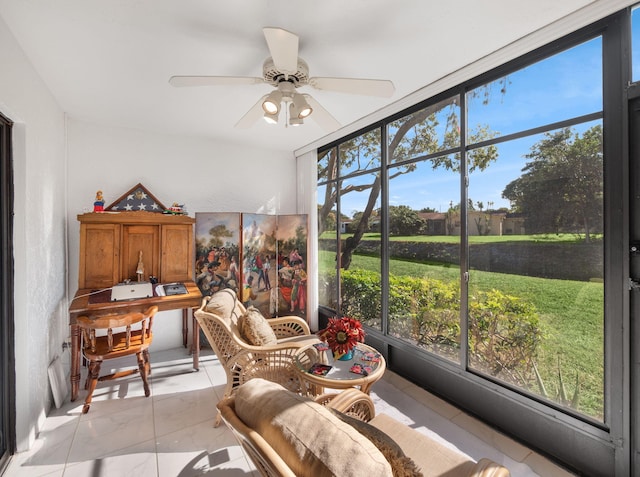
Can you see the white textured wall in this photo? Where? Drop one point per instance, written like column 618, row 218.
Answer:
column 205, row 175
column 39, row 232
column 59, row 163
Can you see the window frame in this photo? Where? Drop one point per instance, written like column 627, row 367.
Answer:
column 604, row 447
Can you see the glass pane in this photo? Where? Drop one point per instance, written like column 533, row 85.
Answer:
column 361, row 153
column 536, row 302
column 563, row 86
column 424, row 256
column 360, row 249
column 327, row 165
column 635, row 44
column 429, row 130
column 327, row 246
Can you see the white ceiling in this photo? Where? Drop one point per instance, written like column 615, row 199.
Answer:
column 109, row 61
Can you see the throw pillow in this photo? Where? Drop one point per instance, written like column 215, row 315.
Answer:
column 306, row 435
column 401, row 464
column 254, row 328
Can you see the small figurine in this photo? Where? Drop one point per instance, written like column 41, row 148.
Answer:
column 140, row 268
column 176, row 209
column 98, row 204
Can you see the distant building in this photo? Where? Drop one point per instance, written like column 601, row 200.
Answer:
column 436, row 222
column 344, row 225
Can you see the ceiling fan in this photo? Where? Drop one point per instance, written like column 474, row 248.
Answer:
column 286, row 73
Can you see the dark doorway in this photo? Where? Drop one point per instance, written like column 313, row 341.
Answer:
column 7, row 360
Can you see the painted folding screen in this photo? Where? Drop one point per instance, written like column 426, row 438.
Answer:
column 261, row 257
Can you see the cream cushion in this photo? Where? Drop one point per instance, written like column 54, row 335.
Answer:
column 431, row 456
column 254, row 328
column 401, row 465
column 307, row 436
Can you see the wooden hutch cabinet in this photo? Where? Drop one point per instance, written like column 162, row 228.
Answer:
column 111, row 242
column 110, row 246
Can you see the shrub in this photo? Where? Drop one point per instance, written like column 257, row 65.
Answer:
column 504, row 331
column 361, row 296
column 504, row 335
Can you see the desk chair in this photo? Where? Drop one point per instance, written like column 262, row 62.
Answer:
column 135, row 339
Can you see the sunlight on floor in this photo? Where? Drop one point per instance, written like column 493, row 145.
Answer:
column 171, row 433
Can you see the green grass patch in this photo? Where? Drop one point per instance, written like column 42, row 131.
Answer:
column 571, row 313
column 535, row 238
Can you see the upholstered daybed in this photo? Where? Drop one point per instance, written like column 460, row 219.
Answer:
column 286, row 434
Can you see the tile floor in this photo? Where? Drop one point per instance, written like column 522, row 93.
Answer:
column 171, row 433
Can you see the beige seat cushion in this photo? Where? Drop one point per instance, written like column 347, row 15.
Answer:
column 299, row 340
column 254, row 328
column 401, row 464
column 307, row 436
column 432, row 457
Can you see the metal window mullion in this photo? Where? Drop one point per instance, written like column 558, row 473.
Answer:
column 384, row 228
column 464, row 239
column 338, row 184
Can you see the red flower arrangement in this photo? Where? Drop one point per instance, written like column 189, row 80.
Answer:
column 342, row 334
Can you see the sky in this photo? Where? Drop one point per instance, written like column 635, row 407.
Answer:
column 564, row 86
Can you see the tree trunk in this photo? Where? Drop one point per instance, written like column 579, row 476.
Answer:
column 587, row 235
column 352, row 242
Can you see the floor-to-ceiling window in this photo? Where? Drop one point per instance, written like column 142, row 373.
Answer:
column 477, row 235
column 535, row 238
column 7, row 387
column 350, row 209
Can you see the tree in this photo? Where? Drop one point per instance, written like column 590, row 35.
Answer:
column 218, row 234
column 404, row 221
column 329, row 219
column 357, row 217
column 561, row 188
column 411, row 136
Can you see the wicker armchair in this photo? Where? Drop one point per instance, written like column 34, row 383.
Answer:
column 242, row 361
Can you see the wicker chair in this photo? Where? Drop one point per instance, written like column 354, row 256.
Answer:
column 242, row 361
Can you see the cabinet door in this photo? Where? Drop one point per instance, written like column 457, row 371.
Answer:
column 137, row 240
column 177, row 253
column 99, row 255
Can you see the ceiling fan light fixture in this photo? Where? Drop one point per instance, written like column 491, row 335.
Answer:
column 294, row 119
column 271, row 118
column 300, row 108
column 286, row 72
column 271, row 104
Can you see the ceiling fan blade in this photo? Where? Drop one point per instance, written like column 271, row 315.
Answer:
column 283, row 46
column 180, row 81
column 368, row 87
column 321, row 116
column 251, row 116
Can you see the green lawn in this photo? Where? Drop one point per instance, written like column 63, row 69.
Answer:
column 571, row 313
column 537, row 238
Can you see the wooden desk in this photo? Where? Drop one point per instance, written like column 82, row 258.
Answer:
column 87, row 304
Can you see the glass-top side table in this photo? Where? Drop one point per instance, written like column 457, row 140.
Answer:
column 309, row 362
